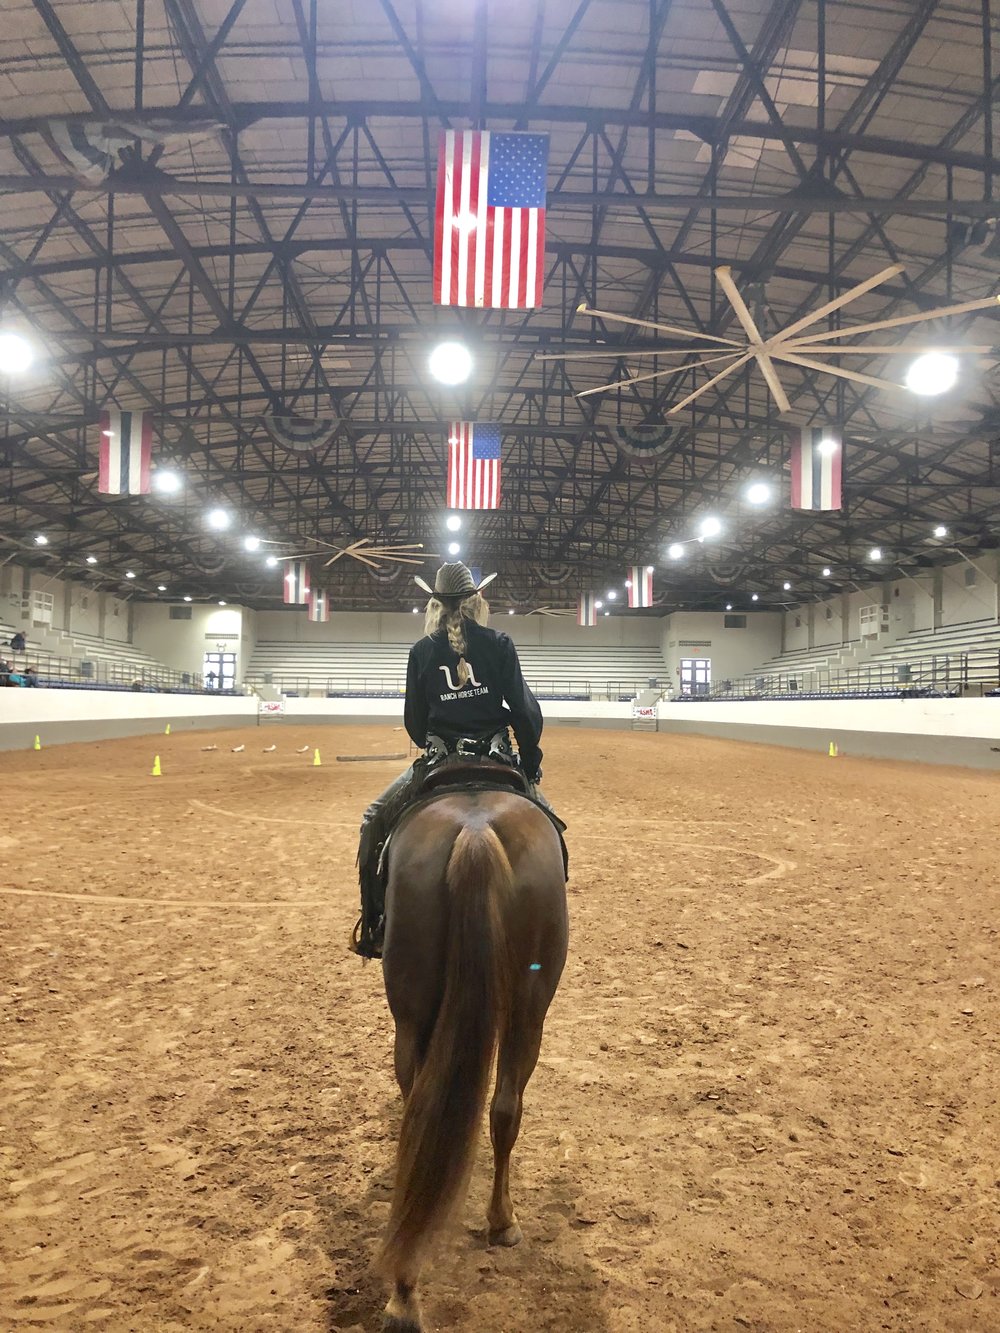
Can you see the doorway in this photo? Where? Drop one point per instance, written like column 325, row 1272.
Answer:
column 219, row 671
column 696, row 675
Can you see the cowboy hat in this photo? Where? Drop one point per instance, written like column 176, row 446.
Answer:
column 454, row 581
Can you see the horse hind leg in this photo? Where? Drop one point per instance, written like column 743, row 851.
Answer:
column 516, row 1061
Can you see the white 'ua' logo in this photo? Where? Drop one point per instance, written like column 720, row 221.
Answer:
column 451, row 684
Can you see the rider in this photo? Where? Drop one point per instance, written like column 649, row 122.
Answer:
column 458, row 678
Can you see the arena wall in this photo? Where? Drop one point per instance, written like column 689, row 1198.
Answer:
column 59, row 716
column 936, row 731
column 949, row 731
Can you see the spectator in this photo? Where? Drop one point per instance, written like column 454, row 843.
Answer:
column 4, row 673
column 31, row 676
column 210, row 680
column 17, row 642
column 136, row 685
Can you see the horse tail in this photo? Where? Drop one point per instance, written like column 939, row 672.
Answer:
column 444, row 1109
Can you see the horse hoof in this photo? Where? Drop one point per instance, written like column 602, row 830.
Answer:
column 393, row 1324
column 511, row 1235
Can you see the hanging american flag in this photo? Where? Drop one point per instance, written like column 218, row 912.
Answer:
column 125, row 452
column 473, row 466
column 489, row 223
column 816, row 469
column 640, row 585
column 297, row 583
column 319, row 605
column 586, row 611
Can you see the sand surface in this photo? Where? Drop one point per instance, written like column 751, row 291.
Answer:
column 767, row 1098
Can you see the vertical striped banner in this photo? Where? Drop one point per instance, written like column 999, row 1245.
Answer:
column 640, row 586
column 816, row 459
column 296, row 590
column 586, row 612
column 319, row 605
column 125, row 452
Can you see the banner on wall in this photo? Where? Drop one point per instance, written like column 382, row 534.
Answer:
column 271, row 707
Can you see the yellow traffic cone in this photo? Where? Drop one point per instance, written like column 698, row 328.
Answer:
column 156, row 767
column 317, row 762
column 833, row 749
column 166, row 730
column 38, row 743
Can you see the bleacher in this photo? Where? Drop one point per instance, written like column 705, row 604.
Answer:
column 952, row 657
column 89, row 662
column 952, row 660
column 367, row 670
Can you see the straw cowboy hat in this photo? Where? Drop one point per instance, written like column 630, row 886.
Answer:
column 454, row 581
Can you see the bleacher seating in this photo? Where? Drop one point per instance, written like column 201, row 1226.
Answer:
column 949, row 660
column 360, row 670
column 112, row 664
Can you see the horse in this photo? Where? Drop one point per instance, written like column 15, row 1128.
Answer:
column 475, row 943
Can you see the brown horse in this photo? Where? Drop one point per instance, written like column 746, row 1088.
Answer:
column 475, row 944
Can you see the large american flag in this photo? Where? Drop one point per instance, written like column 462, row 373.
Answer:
column 125, row 452
column 489, row 226
column 816, row 469
column 473, row 466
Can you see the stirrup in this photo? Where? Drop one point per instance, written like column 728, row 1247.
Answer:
column 370, row 947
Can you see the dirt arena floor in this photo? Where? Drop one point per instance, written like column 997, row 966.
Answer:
column 767, row 1098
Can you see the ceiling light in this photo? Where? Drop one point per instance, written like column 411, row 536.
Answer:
column 166, row 481
column 451, row 363
column 940, row 530
column 826, row 571
column 611, row 595
column 16, row 354
column 932, row 373
column 91, row 559
column 607, row 613
column 754, row 598
column 709, row 527
column 598, row 605
column 130, row 574
column 787, row 587
column 453, row 523
column 675, row 550
column 271, row 561
column 875, row 553
column 41, row 540
column 161, row 587
column 649, row 569
column 222, row 603
column 218, row 519
column 187, row 599
column 454, row 548
column 511, row 611
column 729, row 606
column 828, row 446
column 759, row 493
column 251, row 543
column 415, row 610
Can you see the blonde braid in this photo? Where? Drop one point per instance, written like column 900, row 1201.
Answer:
column 456, row 641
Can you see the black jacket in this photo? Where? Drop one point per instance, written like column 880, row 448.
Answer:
column 434, row 703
